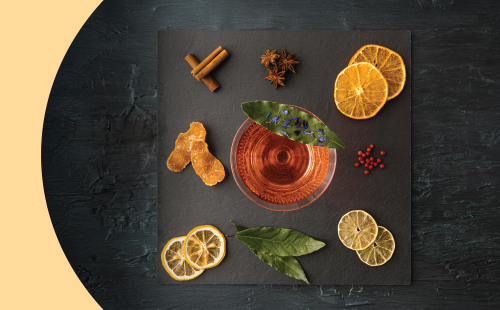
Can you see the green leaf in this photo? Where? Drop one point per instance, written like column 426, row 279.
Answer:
column 258, row 110
column 278, row 241
column 285, row 264
column 238, row 227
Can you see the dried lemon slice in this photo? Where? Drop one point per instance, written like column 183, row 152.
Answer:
column 181, row 155
column 174, row 262
column 380, row 251
column 357, row 230
column 209, row 168
column 204, row 247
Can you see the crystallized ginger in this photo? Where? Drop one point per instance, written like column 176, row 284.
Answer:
column 181, row 155
column 209, row 168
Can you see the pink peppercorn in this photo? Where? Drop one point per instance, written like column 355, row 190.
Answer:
column 359, row 153
column 379, row 160
column 382, row 153
column 356, row 164
column 370, row 167
column 382, row 166
column 368, row 149
column 375, row 164
column 371, row 158
column 367, row 171
column 367, row 153
column 372, row 146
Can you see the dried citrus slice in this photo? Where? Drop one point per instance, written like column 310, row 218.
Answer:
column 174, row 262
column 181, row 155
column 204, row 247
column 357, row 230
column 380, row 251
column 209, row 168
column 388, row 62
column 360, row 91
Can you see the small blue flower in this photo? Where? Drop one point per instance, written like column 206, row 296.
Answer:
column 295, row 118
column 284, row 112
column 283, row 132
column 285, row 124
column 300, row 122
column 321, row 130
column 308, row 133
column 320, row 144
column 268, row 115
column 274, row 120
column 305, row 124
column 322, row 139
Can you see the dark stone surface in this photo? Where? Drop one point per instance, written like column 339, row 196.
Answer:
column 101, row 124
column 185, row 202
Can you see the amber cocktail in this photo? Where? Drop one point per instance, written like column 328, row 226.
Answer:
column 278, row 173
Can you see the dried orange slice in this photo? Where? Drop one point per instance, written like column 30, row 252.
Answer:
column 209, row 168
column 360, row 91
column 174, row 262
column 380, row 251
column 181, row 155
column 357, row 230
column 388, row 62
column 204, row 247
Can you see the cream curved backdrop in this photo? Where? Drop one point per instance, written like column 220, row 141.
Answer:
column 35, row 36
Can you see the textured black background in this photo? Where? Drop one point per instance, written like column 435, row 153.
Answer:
column 185, row 202
column 101, row 124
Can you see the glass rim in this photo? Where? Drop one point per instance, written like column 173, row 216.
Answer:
column 272, row 206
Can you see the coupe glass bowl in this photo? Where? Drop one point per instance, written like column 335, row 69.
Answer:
column 278, row 173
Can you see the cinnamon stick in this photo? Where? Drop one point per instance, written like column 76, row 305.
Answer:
column 208, row 79
column 211, row 65
column 206, row 61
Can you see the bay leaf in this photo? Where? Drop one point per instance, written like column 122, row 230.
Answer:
column 288, row 265
column 316, row 133
column 278, row 241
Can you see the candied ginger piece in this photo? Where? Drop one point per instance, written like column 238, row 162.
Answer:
column 209, row 168
column 181, row 155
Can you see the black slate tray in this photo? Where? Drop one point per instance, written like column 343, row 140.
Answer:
column 185, row 202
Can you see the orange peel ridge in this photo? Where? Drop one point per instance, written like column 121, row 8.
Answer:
column 209, row 168
column 181, row 155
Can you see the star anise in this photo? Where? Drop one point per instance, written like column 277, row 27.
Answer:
column 286, row 62
column 269, row 57
column 275, row 77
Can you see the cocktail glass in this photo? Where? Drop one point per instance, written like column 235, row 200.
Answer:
column 278, row 173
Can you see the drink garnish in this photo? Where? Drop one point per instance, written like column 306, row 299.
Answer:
column 311, row 130
column 281, row 64
column 174, row 261
column 181, row 155
column 191, row 147
column 204, row 247
column 357, row 230
column 277, row 247
column 388, row 62
column 374, row 244
column 380, row 251
column 209, row 168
